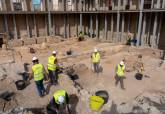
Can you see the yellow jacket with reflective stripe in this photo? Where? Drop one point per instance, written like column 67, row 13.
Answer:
column 51, row 65
column 38, row 70
column 59, row 93
column 120, row 70
column 95, row 57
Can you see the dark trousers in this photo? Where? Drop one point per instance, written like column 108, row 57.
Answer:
column 40, row 87
column 53, row 75
column 119, row 79
column 96, row 67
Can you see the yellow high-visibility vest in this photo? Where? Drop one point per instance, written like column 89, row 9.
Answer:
column 120, row 70
column 51, row 65
column 59, row 93
column 95, row 57
column 38, row 70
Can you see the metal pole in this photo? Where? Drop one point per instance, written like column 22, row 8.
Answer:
column 6, row 25
column 49, row 19
column 91, row 26
column 143, row 40
column 105, row 26
column 112, row 28
column 65, row 30
column 159, row 29
column 154, row 31
column 118, row 22
column 15, row 27
column 27, row 26
column 80, row 21
column 97, row 27
column 122, row 29
column 35, row 26
column 140, row 23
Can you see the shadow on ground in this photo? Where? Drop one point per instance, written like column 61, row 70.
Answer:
column 113, row 110
column 36, row 110
column 73, row 100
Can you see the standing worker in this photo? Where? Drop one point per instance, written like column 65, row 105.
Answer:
column 60, row 102
column 96, row 60
column 52, row 68
column 120, row 70
column 38, row 72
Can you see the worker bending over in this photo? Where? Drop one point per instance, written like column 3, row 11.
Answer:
column 120, row 71
column 60, row 102
column 38, row 72
column 52, row 68
column 96, row 60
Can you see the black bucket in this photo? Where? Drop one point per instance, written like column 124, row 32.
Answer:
column 138, row 76
column 20, row 84
column 103, row 94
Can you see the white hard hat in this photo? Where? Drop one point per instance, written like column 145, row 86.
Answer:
column 54, row 52
column 122, row 63
column 95, row 50
column 34, row 58
column 61, row 99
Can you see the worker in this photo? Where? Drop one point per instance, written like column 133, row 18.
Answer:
column 59, row 101
column 95, row 60
column 39, row 73
column 120, row 70
column 81, row 36
column 52, row 68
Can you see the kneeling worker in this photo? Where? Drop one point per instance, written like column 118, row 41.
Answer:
column 60, row 101
column 38, row 72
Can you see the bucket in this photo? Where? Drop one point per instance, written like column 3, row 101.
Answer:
column 138, row 76
column 20, row 84
column 103, row 94
column 96, row 103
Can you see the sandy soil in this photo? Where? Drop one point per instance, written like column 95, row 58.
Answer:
column 111, row 55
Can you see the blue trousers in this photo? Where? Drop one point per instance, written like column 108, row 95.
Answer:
column 40, row 87
column 53, row 75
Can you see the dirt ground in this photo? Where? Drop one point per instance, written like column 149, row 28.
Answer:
column 88, row 82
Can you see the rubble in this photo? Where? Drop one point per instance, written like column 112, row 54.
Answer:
column 3, row 73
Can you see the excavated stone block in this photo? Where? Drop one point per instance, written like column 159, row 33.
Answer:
column 133, row 7
column 40, row 40
column 29, row 41
column 53, row 39
column 15, row 43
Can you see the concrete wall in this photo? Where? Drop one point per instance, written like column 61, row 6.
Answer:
column 39, row 26
column 1, row 24
column 21, row 26
column 40, row 22
column 59, row 25
column 10, row 26
column 161, row 44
